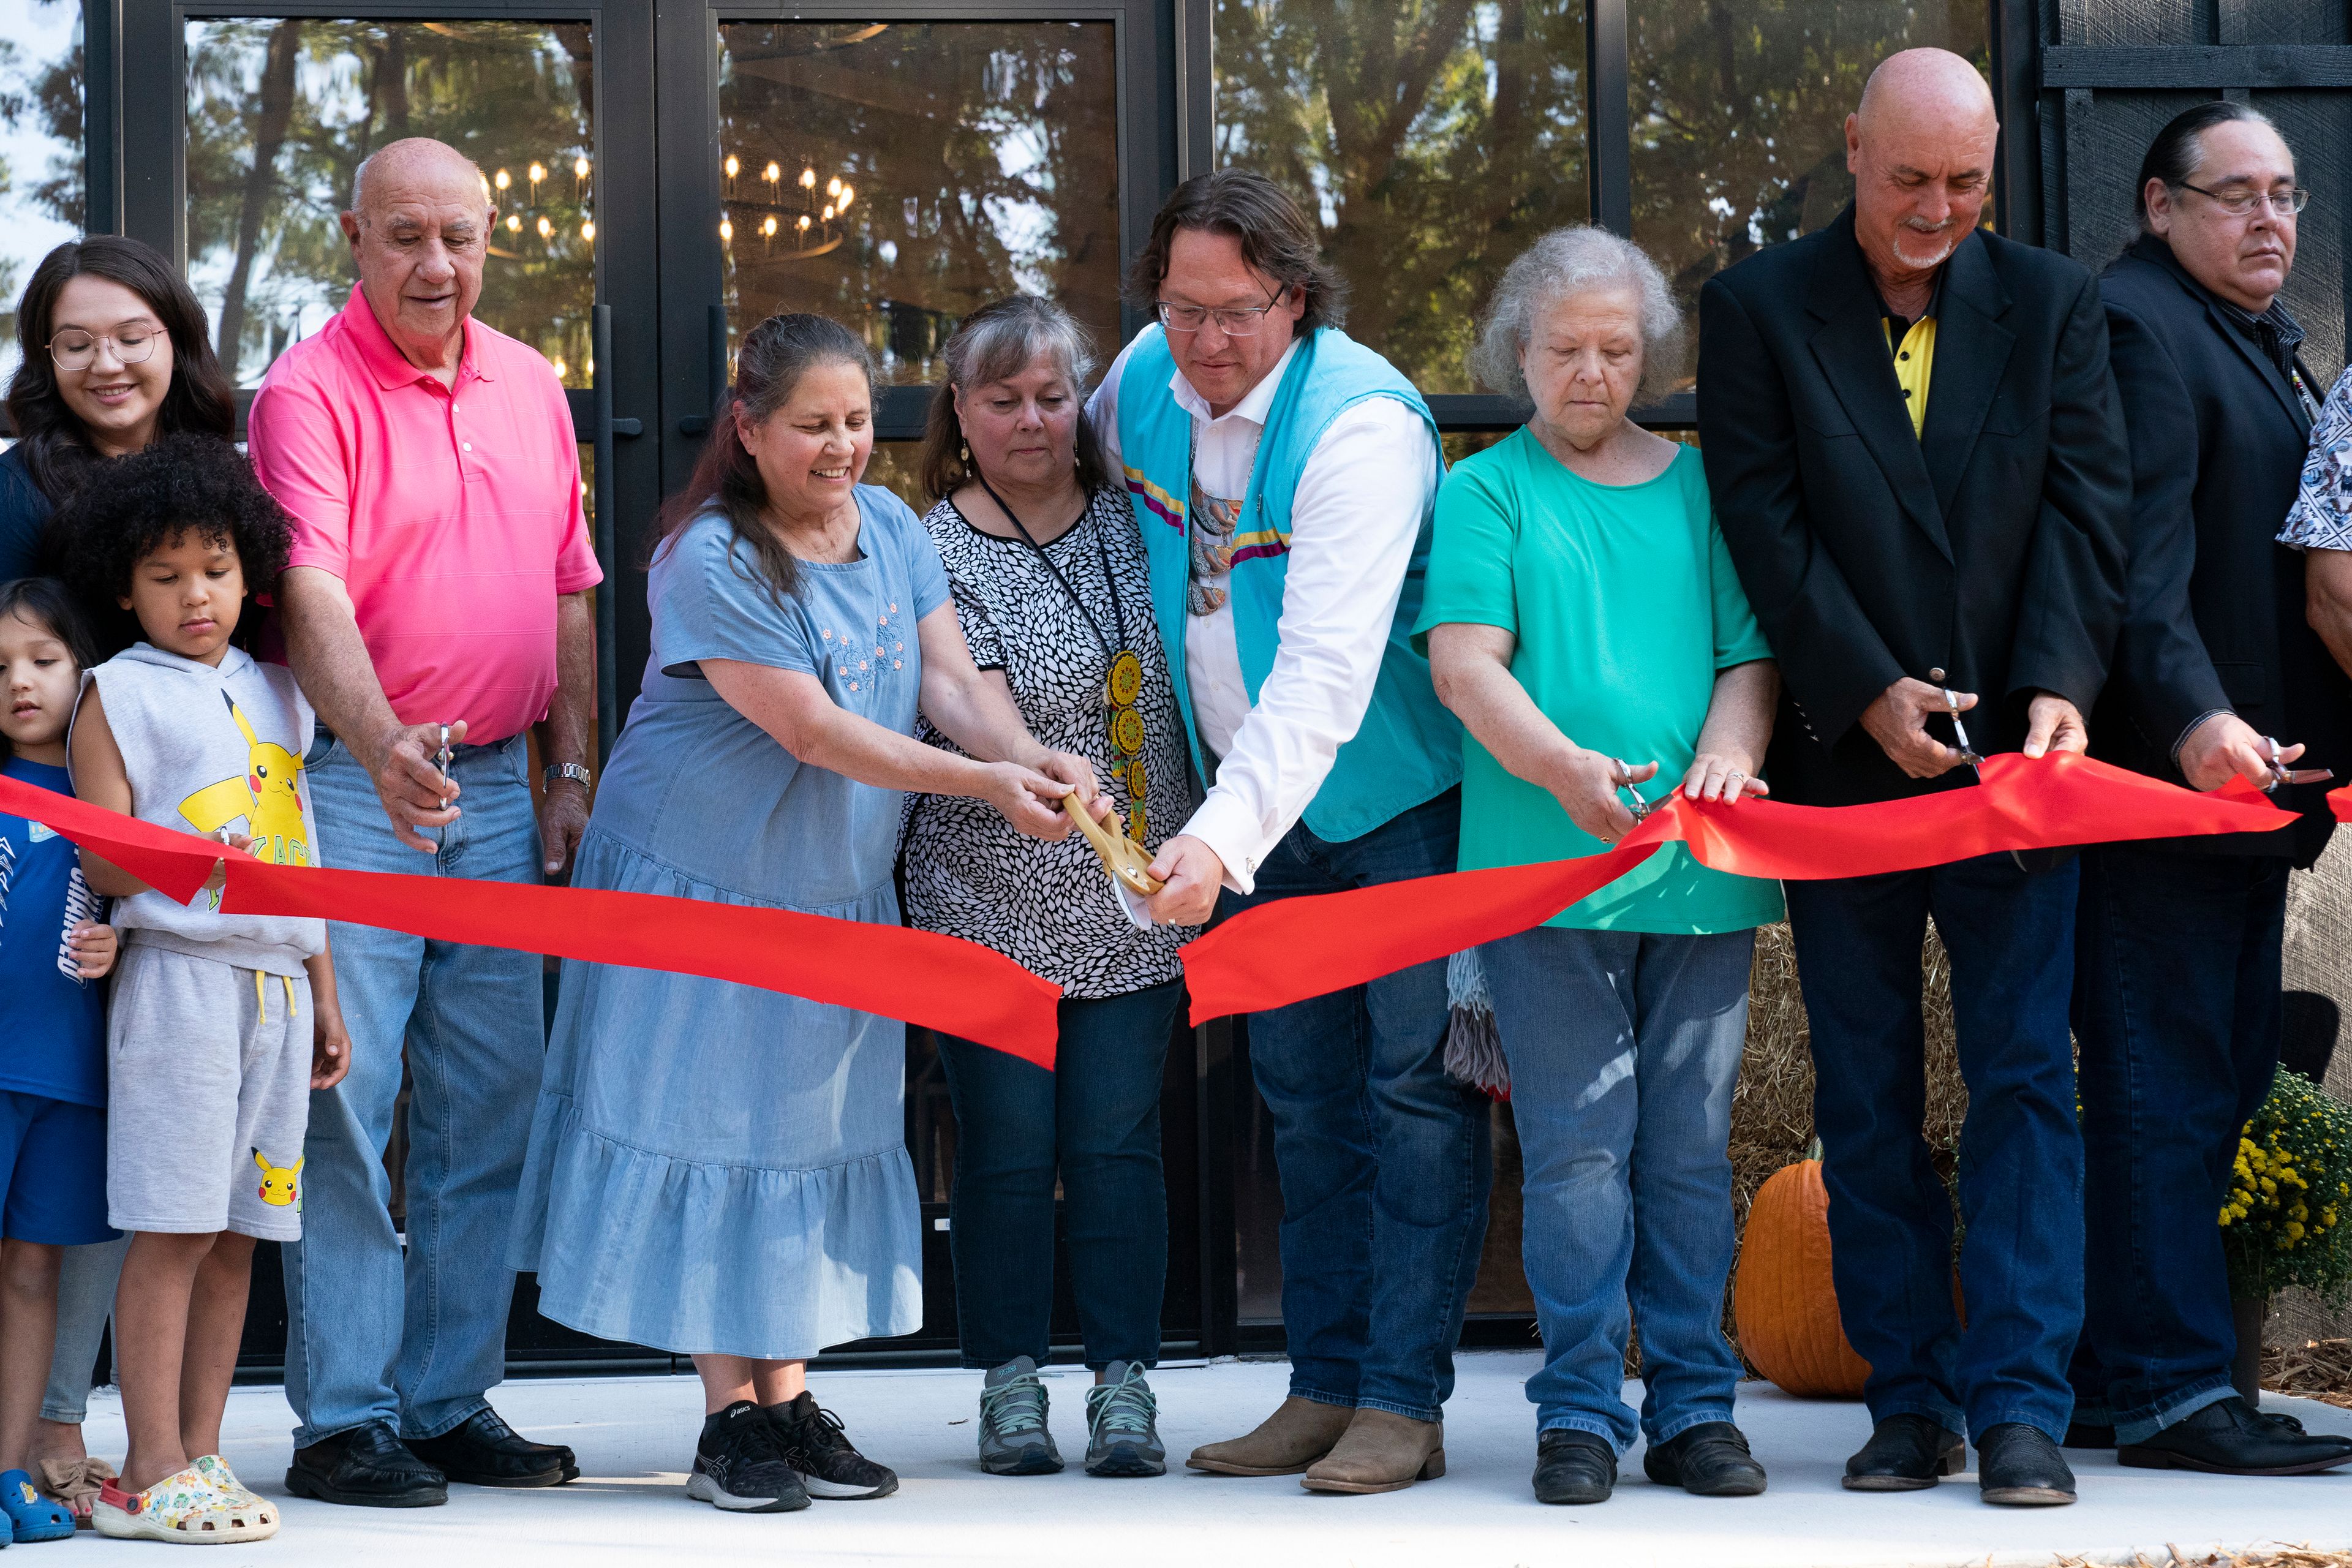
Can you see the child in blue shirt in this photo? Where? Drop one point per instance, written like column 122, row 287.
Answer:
column 54, row 949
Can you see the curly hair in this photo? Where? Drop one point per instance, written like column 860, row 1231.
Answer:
column 153, row 497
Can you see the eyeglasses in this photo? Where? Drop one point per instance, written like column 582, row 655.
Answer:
column 1243, row 322
column 78, row 350
column 2237, row 204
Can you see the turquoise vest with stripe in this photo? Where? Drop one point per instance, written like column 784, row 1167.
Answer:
column 1409, row 748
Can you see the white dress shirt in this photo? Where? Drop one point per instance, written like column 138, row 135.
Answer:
column 1357, row 511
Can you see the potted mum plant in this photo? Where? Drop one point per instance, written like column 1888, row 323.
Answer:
column 2283, row 1219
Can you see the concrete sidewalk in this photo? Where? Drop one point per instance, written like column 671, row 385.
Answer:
column 635, row 1436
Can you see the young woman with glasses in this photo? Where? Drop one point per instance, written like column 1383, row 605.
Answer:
column 115, row 352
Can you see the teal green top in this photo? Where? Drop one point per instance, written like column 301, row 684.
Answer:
column 1625, row 606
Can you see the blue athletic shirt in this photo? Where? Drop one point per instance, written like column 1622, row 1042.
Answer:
column 52, row 1021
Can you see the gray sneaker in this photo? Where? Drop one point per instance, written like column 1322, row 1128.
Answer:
column 1122, row 1424
column 1014, row 1437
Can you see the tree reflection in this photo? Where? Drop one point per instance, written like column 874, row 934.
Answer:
column 280, row 115
column 982, row 156
column 1738, row 114
column 1439, row 138
column 41, row 110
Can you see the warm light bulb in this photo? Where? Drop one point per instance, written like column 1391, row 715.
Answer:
column 588, row 230
column 546, row 229
column 560, row 367
column 502, row 179
column 808, row 179
column 832, row 187
column 580, row 168
column 848, row 195
column 538, row 173
column 803, row 221
column 514, row 223
column 726, row 230
column 772, row 173
column 828, row 212
column 768, row 227
column 732, row 166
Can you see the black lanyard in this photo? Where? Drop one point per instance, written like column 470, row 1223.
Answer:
column 1118, row 611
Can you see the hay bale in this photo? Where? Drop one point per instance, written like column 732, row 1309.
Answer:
column 1772, row 1107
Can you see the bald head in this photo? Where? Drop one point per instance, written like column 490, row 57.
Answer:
column 1920, row 145
column 419, row 227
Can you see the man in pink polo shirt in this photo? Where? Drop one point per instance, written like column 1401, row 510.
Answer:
column 439, row 576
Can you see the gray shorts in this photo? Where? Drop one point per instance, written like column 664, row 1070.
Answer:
column 207, row 1096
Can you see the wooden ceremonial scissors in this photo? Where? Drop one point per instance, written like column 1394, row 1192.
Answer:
column 1127, row 862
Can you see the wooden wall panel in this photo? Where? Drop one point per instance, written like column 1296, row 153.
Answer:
column 2104, row 148
column 2318, row 126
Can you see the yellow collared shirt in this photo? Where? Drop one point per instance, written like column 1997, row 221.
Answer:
column 1915, row 362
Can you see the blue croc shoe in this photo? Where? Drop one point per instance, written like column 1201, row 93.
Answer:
column 32, row 1517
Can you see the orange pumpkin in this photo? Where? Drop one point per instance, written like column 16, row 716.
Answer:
column 1784, row 1301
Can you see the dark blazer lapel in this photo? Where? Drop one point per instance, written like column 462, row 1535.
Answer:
column 2152, row 250
column 1850, row 347
column 1971, row 353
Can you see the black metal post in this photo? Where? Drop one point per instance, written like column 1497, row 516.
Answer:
column 608, row 658
column 1609, row 75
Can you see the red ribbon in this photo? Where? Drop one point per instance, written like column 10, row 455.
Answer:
column 918, row 977
column 2339, row 801
column 1290, row 950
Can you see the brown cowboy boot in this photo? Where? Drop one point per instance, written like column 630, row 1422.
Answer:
column 1382, row 1452
column 1298, row 1433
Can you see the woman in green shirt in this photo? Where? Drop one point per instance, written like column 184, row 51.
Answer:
column 1584, row 621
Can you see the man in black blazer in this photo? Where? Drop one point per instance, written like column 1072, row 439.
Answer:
column 1916, row 459
column 2176, row 983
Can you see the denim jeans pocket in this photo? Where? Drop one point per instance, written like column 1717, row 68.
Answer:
column 323, row 745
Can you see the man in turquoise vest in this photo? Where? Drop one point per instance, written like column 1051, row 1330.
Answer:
column 1283, row 477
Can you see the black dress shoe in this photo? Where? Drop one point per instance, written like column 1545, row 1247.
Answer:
column 2226, row 1438
column 367, row 1467
column 2019, row 1467
column 484, row 1451
column 1904, row 1454
column 2088, row 1434
column 1574, row 1466
column 1711, row 1459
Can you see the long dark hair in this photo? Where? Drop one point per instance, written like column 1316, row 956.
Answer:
column 2172, row 157
column 46, row 602
column 991, row 344
column 1277, row 237
column 773, row 357
column 56, row 449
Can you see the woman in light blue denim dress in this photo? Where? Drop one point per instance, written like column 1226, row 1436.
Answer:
column 717, row 1169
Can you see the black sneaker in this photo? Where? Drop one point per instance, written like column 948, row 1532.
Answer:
column 830, row 1465
column 740, row 1465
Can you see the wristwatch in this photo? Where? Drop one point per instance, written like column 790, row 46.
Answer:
column 554, row 770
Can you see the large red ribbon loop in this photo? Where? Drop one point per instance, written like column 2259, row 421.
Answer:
column 1296, row 948
column 918, row 977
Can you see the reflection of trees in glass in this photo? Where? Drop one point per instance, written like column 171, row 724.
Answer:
column 280, row 115
column 1739, row 110
column 1439, row 137
column 982, row 157
column 41, row 182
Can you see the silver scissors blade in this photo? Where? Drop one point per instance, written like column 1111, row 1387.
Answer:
column 1967, row 752
column 442, row 760
column 2282, row 775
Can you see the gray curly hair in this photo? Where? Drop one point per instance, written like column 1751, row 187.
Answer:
column 1568, row 261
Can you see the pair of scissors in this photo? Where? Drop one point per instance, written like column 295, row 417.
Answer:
column 2283, row 775
column 1639, row 806
column 442, row 760
column 1967, row 752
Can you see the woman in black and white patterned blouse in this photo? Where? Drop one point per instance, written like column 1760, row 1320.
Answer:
column 1049, row 581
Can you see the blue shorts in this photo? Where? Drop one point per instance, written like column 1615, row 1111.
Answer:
column 52, row 1171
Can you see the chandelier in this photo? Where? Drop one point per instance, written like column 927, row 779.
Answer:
column 796, row 216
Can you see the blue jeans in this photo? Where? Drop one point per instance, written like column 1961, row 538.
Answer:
column 1095, row 1118
column 2011, row 934
column 1625, row 1048
column 416, row 1337
column 1384, row 1158
column 2178, row 1009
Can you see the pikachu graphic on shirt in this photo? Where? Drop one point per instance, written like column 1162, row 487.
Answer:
column 281, row 1186
column 267, row 795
